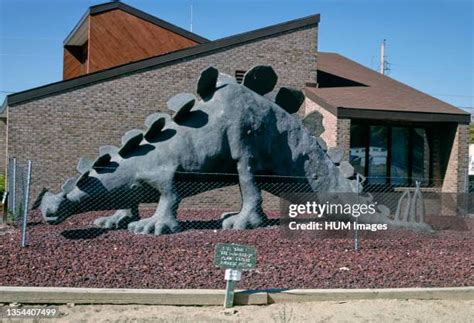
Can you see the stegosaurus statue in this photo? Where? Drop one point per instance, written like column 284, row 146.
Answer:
column 233, row 129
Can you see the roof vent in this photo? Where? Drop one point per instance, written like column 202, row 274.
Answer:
column 239, row 75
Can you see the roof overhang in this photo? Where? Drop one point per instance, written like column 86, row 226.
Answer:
column 386, row 114
column 79, row 35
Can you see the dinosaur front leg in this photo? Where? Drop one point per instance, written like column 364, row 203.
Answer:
column 119, row 220
column 251, row 215
column 164, row 220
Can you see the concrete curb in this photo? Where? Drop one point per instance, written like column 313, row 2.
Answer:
column 63, row 295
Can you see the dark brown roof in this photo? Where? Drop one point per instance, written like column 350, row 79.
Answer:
column 351, row 90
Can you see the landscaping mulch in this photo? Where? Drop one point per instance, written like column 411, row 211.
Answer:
column 75, row 254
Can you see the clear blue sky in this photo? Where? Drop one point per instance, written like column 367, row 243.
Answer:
column 429, row 43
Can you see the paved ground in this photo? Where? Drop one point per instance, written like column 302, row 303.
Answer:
column 351, row 311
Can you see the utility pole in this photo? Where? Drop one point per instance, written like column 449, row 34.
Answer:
column 382, row 58
column 384, row 65
column 191, row 29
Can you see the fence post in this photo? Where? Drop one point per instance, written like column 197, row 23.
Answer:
column 9, row 182
column 13, row 206
column 8, row 192
column 356, row 231
column 25, row 204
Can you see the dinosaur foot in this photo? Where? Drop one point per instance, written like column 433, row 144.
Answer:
column 241, row 221
column 119, row 220
column 154, row 225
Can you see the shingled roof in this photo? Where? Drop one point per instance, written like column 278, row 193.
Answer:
column 351, row 90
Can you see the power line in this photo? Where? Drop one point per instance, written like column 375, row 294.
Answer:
column 458, row 95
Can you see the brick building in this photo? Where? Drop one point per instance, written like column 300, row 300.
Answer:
column 392, row 133
column 107, row 91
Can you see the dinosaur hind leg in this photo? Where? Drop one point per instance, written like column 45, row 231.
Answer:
column 164, row 220
column 251, row 215
column 119, row 220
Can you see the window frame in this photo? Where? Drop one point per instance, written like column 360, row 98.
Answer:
column 389, row 125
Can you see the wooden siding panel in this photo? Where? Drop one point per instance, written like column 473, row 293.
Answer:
column 116, row 38
column 72, row 66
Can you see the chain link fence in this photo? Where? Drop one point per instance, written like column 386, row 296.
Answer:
column 18, row 188
column 18, row 195
column 105, row 235
column 200, row 201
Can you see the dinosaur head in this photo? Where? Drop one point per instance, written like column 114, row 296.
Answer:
column 106, row 188
column 53, row 207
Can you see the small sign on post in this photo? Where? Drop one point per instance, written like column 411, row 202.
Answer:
column 234, row 258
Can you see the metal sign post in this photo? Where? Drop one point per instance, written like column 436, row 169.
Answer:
column 231, row 276
column 234, row 258
column 25, row 205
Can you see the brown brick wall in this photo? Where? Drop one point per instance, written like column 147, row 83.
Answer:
column 336, row 131
column 227, row 199
column 344, row 136
column 57, row 130
column 329, row 122
column 456, row 171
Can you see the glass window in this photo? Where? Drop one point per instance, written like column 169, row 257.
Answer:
column 357, row 153
column 379, row 143
column 377, row 155
column 399, row 156
column 421, row 156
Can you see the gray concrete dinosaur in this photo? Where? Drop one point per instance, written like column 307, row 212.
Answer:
column 234, row 129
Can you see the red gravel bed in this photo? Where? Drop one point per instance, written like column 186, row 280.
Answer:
column 60, row 256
